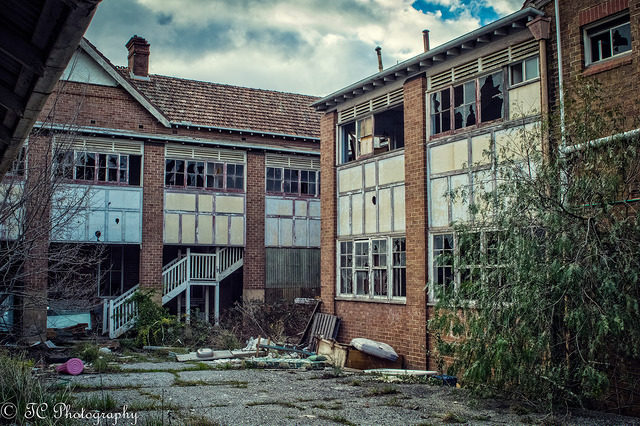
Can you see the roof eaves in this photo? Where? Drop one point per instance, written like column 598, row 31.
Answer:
column 418, row 63
column 132, row 90
column 243, row 131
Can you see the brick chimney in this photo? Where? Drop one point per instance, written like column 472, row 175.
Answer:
column 138, row 56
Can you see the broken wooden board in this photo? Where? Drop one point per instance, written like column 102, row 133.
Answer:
column 336, row 352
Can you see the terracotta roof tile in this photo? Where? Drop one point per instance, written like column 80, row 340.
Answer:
column 221, row 105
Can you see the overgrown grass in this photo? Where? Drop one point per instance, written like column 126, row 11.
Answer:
column 103, row 403
column 379, row 391
column 19, row 386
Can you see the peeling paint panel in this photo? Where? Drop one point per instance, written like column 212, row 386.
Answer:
column 115, row 220
column 370, row 212
column 222, row 230
column 356, row 214
column 132, row 233
column 227, row 204
column 314, row 233
column 439, row 202
column 286, row 232
column 370, row 174
column 96, row 223
column 179, row 201
column 205, row 203
column 314, row 209
column 188, row 233
column 524, row 101
column 271, row 231
column 460, row 203
column 398, row 208
column 350, row 179
column 300, row 232
column 344, row 213
column 391, row 170
column 278, row 207
column 480, row 146
column 384, row 210
column 452, row 156
column 237, row 231
column 205, row 229
column 300, row 208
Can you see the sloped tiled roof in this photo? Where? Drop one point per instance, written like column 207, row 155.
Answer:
column 220, row 105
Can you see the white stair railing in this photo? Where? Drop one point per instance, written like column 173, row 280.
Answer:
column 122, row 313
column 176, row 277
column 203, row 266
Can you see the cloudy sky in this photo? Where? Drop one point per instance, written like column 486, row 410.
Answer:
column 304, row 46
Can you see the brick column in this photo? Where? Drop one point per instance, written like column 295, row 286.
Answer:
column 254, row 253
column 152, row 219
column 329, row 211
column 415, row 163
column 37, row 225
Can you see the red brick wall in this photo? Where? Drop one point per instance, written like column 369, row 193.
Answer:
column 415, row 165
column 152, row 218
column 403, row 326
column 619, row 77
column 329, row 209
column 254, row 253
column 36, row 237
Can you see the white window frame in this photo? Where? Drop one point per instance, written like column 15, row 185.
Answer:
column 523, row 69
column 588, row 60
column 370, row 268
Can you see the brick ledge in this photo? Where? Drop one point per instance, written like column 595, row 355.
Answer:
column 387, row 302
column 606, row 66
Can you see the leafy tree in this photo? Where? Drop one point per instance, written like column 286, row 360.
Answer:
column 547, row 302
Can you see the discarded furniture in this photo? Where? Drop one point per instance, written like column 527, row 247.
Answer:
column 347, row 356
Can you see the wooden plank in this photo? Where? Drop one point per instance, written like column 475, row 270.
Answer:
column 362, row 361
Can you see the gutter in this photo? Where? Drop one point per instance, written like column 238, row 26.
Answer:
column 243, row 131
column 172, row 138
column 560, row 73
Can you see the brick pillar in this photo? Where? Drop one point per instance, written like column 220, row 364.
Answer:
column 152, row 219
column 329, row 211
column 36, row 241
column 415, row 163
column 254, row 252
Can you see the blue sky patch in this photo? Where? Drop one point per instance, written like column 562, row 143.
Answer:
column 478, row 9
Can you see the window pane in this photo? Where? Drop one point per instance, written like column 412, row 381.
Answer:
column 491, row 98
column 380, row 287
column 516, row 73
column 621, row 37
column 362, row 282
column 601, row 46
column 531, row 68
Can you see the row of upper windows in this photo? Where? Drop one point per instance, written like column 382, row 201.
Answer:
column 455, row 107
column 125, row 169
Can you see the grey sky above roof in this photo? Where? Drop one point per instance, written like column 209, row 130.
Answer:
column 313, row 47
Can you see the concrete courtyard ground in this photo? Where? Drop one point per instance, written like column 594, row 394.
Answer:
column 163, row 393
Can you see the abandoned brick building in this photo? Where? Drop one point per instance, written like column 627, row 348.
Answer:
column 194, row 189
column 394, row 146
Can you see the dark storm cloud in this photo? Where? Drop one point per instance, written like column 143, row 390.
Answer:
column 164, row 19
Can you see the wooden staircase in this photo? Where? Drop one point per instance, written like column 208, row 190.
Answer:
column 205, row 269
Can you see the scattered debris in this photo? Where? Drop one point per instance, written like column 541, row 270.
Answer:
column 206, row 354
column 324, row 326
column 105, row 351
column 400, row 372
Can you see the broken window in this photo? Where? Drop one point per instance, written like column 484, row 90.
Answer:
column 203, row 174
column 346, row 267
column 399, row 253
column 443, row 263
column 464, row 105
column 292, row 181
column 607, row 39
column 98, row 168
column 373, row 134
column 373, row 268
column 524, row 71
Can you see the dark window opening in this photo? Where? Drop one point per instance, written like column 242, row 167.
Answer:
column 202, row 174
column 608, row 39
column 374, row 134
column 292, row 181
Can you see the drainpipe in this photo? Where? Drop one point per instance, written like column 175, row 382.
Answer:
column 560, row 78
